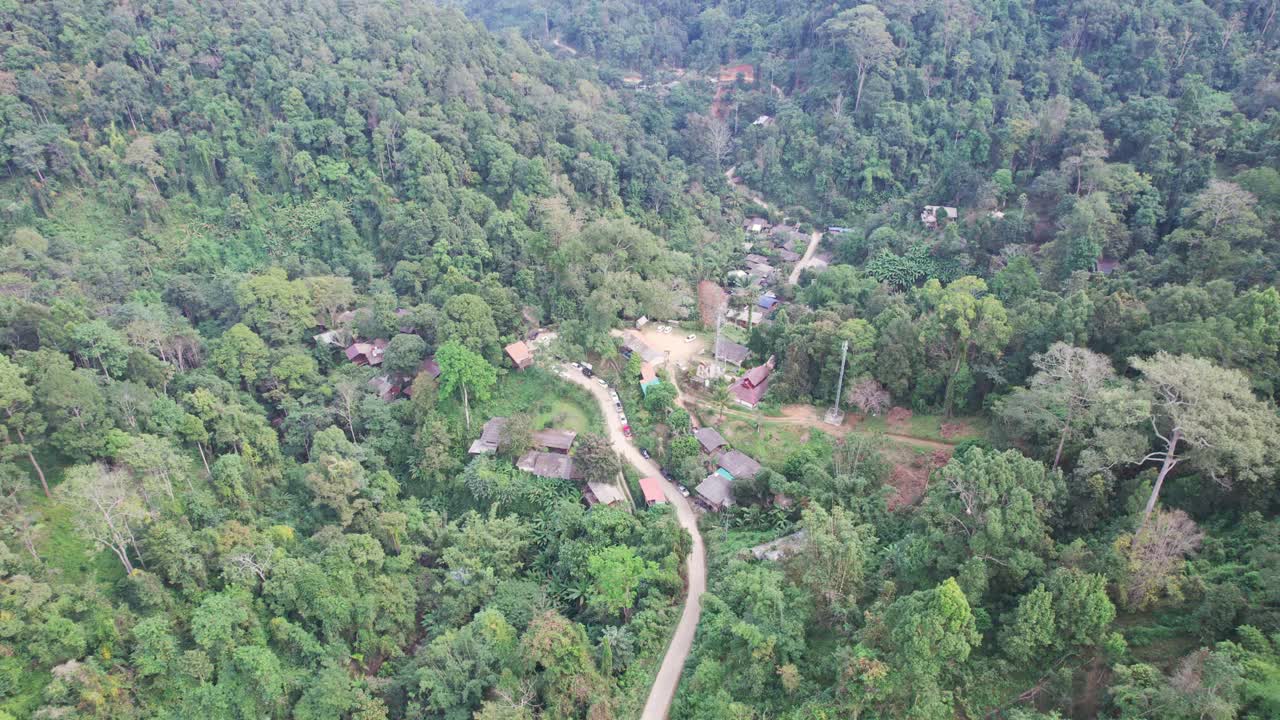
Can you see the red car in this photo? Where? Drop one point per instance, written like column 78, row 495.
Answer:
column 626, row 430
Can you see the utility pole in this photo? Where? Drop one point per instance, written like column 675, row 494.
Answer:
column 834, row 416
column 715, row 350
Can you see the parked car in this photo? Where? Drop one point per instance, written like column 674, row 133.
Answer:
column 644, row 453
column 683, row 490
column 626, row 430
column 667, row 474
column 690, row 338
column 575, row 366
column 602, row 382
column 587, row 371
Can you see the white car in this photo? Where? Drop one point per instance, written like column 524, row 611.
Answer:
column 690, row 338
column 602, row 382
column 575, row 366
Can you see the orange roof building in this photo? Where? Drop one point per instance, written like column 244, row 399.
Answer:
column 519, row 354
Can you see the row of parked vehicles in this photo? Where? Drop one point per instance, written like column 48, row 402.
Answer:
column 588, row 371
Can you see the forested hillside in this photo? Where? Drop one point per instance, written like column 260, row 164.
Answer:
column 1059, row 217
column 207, row 513
column 265, row 268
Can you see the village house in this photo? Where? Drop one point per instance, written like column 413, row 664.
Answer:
column 648, row 378
column 490, row 437
column 555, row 441
column 363, row 353
column 388, row 388
column 652, row 489
column 709, row 439
column 753, row 385
column 716, row 491
column 598, row 493
column 519, row 354
column 929, row 215
column 731, row 352
column 633, row 343
column 757, row 225
column 547, row 464
column 739, row 465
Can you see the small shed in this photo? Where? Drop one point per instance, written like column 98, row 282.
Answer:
column 598, row 493
column 490, row 437
column 520, row 355
column 652, row 489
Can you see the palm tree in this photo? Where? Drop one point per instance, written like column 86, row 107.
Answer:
column 720, row 395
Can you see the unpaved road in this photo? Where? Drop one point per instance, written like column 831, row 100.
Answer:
column 664, row 685
column 807, row 260
column 736, row 182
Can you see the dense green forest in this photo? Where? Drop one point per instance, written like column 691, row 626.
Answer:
column 208, row 510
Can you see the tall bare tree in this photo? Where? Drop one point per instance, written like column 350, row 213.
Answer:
column 109, row 508
column 1060, row 396
column 864, row 32
column 1207, row 416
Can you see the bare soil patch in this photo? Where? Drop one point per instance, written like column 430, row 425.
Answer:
column 910, row 477
column 898, row 416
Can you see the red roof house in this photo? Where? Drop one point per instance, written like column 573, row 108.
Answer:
column 652, row 489
column 753, row 385
column 363, row 353
column 519, row 354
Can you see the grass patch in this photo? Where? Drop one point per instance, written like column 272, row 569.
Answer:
column 771, row 445
column 548, row 399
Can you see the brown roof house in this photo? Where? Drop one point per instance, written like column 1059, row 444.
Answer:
column 633, row 343
column 731, row 352
column 598, row 493
column 388, row 387
column 753, row 385
column 547, row 464
column 490, row 437
column 709, row 439
column 555, row 441
column 363, row 353
column 519, row 354
column 739, row 465
column 716, row 490
column 929, row 215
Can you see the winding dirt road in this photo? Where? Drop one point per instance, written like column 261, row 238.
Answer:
column 807, row 260
column 664, row 685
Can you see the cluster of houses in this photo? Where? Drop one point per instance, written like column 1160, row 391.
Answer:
column 551, row 457
column 716, row 490
column 370, row 353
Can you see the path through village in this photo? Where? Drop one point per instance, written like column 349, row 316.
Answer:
column 668, row 677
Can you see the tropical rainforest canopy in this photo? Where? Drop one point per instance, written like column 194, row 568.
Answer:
column 208, row 510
